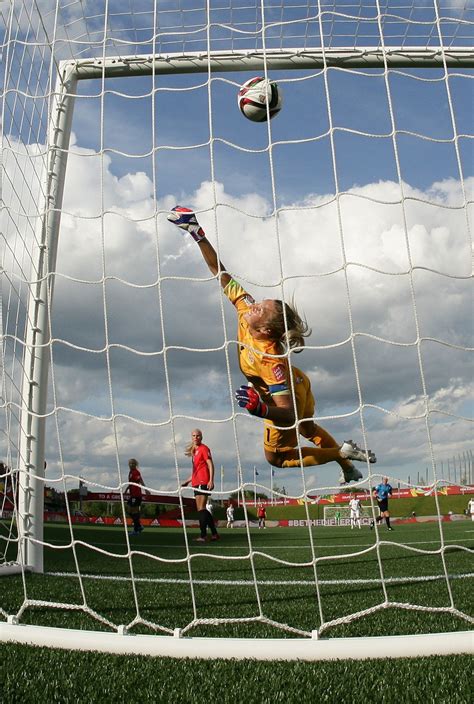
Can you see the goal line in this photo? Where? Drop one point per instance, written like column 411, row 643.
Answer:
column 256, row 649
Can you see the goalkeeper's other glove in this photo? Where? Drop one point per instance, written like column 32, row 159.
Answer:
column 185, row 219
column 248, row 398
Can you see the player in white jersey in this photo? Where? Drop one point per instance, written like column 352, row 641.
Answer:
column 470, row 508
column 230, row 516
column 354, row 505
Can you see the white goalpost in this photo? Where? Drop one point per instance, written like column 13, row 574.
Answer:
column 110, row 117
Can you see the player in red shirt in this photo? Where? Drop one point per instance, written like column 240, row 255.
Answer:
column 202, row 481
column 135, row 495
column 262, row 514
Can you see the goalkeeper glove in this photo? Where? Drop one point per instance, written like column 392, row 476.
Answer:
column 185, row 219
column 248, row 398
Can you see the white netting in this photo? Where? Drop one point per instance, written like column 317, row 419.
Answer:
column 341, row 515
column 332, row 202
column 91, row 28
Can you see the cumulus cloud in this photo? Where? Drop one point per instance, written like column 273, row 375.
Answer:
column 145, row 343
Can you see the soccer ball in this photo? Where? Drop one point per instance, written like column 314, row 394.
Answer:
column 255, row 95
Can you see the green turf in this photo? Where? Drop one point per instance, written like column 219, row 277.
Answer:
column 281, row 560
column 35, row 675
column 286, row 591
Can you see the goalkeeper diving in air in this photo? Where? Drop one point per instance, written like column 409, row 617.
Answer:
column 264, row 343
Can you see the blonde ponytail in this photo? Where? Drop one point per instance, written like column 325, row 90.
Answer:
column 296, row 327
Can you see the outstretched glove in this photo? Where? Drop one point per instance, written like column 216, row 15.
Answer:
column 185, row 219
column 248, row 398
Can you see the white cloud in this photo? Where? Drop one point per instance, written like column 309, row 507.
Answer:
column 360, row 273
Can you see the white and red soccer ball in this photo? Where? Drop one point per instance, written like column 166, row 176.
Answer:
column 259, row 98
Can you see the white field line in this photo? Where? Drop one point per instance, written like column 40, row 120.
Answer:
column 259, row 548
column 248, row 582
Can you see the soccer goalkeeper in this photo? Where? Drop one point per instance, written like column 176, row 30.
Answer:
column 264, row 344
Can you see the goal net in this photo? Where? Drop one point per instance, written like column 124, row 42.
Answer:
column 355, row 201
column 341, row 516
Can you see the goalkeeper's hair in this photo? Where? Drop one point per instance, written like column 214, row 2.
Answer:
column 188, row 450
column 293, row 334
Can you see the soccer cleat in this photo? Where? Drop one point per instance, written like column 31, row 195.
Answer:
column 215, row 537
column 185, row 219
column 350, row 475
column 350, row 451
column 134, row 532
column 199, row 540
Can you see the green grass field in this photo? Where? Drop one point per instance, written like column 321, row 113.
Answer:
column 348, row 568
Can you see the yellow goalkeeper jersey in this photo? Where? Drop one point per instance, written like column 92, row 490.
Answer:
column 269, row 374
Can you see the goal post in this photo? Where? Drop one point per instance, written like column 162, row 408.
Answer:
column 276, row 59
column 37, row 350
column 37, row 125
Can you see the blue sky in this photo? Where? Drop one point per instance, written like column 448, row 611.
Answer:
column 362, row 129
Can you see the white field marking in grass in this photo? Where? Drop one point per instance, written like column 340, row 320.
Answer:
column 212, row 546
column 260, row 582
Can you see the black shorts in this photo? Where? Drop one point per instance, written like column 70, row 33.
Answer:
column 135, row 502
column 383, row 505
column 201, row 490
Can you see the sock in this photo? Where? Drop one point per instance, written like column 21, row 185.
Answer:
column 203, row 522
column 136, row 522
column 311, row 456
column 387, row 521
column 210, row 522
